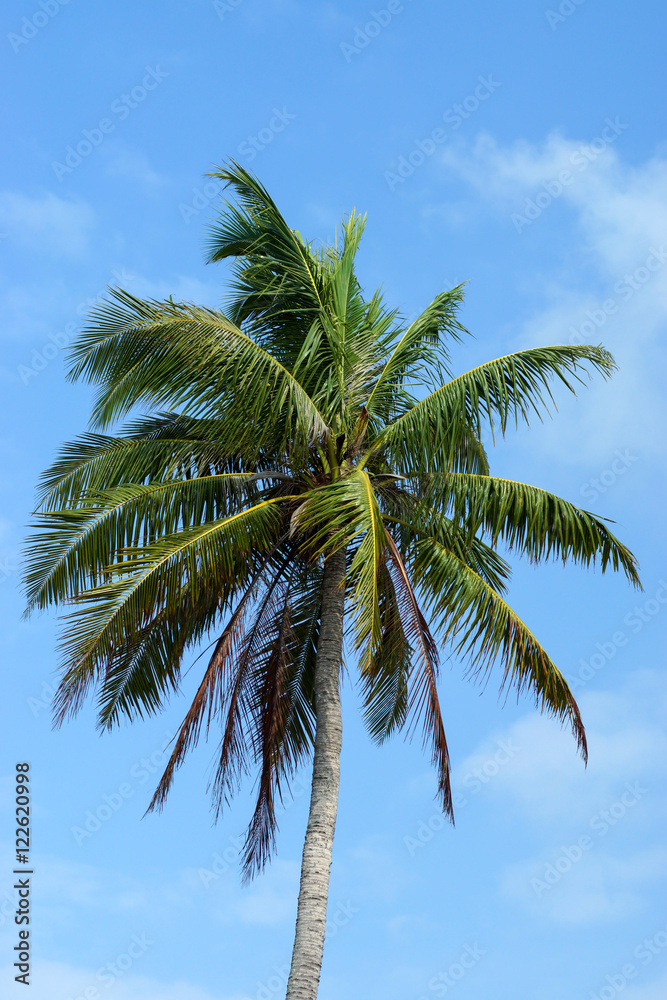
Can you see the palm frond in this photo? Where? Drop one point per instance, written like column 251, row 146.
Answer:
column 481, row 626
column 528, row 520
column 334, row 516
column 423, row 700
column 76, row 547
column 419, row 522
column 280, row 433
column 516, row 386
column 384, row 682
column 208, row 700
column 419, row 353
column 149, row 450
column 239, row 714
column 270, row 708
column 185, row 356
column 217, row 556
column 278, row 279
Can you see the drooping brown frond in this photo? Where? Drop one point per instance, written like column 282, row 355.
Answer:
column 270, row 709
column 237, row 710
column 207, row 701
column 482, row 628
column 423, row 700
column 384, row 679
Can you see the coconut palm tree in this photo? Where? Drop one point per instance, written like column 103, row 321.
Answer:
column 285, row 477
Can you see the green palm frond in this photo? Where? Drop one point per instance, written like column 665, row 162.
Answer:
column 278, row 432
column 76, row 547
column 482, row 627
column 430, row 523
column 151, row 581
column 278, row 279
column 335, row 516
column 169, row 447
column 183, row 356
column 515, row 386
column 420, row 353
column 528, row 520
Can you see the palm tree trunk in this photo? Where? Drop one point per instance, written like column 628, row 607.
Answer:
column 311, row 916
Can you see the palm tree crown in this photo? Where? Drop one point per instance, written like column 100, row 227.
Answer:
column 278, row 433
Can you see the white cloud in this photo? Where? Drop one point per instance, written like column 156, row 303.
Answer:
column 51, row 980
column 581, row 884
column 132, row 165
column 597, row 856
column 611, row 284
column 270, row 899
column 503, row 173
column 46, row 224
column 656, row 990
column 546, row 779
column 181, row 287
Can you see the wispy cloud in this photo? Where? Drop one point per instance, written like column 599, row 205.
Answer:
column 610, row 285
column 597, row 859
column 573, row 885
column 46, row 224
column 547, row 781
column 58, row 979
column 656, row 990
column 132, row 165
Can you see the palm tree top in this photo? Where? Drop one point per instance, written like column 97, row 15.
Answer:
column 255, row 443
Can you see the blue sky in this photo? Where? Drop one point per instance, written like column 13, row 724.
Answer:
column 518, row 147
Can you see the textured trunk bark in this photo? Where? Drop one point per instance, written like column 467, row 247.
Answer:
column 304, row 975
